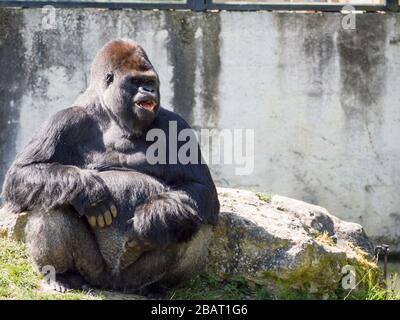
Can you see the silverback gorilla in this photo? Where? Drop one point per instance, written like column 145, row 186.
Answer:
column 99, row 212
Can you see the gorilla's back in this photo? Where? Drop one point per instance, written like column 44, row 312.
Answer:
column 129, row 189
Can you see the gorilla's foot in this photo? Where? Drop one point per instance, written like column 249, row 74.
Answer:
column 154, row 291
column 68, row 281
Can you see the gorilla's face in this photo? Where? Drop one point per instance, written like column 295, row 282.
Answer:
column 133, row 97
column 130, row 85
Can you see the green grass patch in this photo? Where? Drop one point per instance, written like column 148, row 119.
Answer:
column 376, row 290
column 208, row 287
column 20, row 281
column 266, row 197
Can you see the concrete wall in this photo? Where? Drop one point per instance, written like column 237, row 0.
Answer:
column 324, row 102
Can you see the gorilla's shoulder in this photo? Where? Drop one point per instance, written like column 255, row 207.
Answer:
column 165, row 116
column 68, row 117
column 68, row 122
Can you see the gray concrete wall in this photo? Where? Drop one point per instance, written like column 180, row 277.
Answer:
column 324, row 102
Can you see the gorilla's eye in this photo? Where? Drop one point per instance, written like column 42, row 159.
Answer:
column 109, row 78
column 149, row 82
column 135, row 81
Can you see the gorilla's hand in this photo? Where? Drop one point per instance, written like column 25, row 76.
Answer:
column 166, row 218
column 95, row 202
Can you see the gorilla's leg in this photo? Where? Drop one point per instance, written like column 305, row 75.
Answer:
column 62, row 240
column 190, row 258
column 161, row 269
column 149, row 269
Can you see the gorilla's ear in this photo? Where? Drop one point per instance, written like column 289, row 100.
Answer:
column 109, row 78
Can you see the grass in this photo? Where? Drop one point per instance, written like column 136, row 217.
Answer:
column 375, row 291
column 207, row 287
column 266, row 197
column 324, row 238
column 20, row 281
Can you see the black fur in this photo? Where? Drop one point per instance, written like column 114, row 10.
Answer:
column 71, row 164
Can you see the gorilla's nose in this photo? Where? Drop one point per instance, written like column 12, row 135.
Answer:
column 146, row 89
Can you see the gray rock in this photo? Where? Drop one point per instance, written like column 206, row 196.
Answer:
column 286, row 243
column 12, row 225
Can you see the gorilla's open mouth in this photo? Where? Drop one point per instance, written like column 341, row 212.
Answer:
column 149, row 104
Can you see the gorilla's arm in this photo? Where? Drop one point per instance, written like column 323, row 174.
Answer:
column 44, row 175
column 175, row 215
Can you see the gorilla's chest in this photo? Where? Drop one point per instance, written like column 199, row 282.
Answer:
column 115, row 151
column 114, row 159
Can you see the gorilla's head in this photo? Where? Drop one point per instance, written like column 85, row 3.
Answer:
column 126, row 83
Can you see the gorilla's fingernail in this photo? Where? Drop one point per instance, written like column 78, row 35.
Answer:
column 92, row 221
column 113, row 211
column 100, row 221
column 108, row 218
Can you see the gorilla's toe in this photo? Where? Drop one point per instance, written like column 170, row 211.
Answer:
column 68, row 281
column 154, row 291
column 59, row 287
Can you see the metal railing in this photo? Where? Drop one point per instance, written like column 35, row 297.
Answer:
column 207, row 5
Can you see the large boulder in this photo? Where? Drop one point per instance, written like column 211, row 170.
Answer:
column 281, row 242
column 12, row 225
column 272, row 241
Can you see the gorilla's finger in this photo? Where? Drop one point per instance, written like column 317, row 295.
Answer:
column 92, row 220
column 107, row 217
column 96, row 211
column 105, row 211
column 113, row 209
column 100, row 221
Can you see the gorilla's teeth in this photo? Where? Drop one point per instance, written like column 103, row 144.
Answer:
column 148, row 104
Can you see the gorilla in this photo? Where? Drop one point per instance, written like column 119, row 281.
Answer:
column 99, row 212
